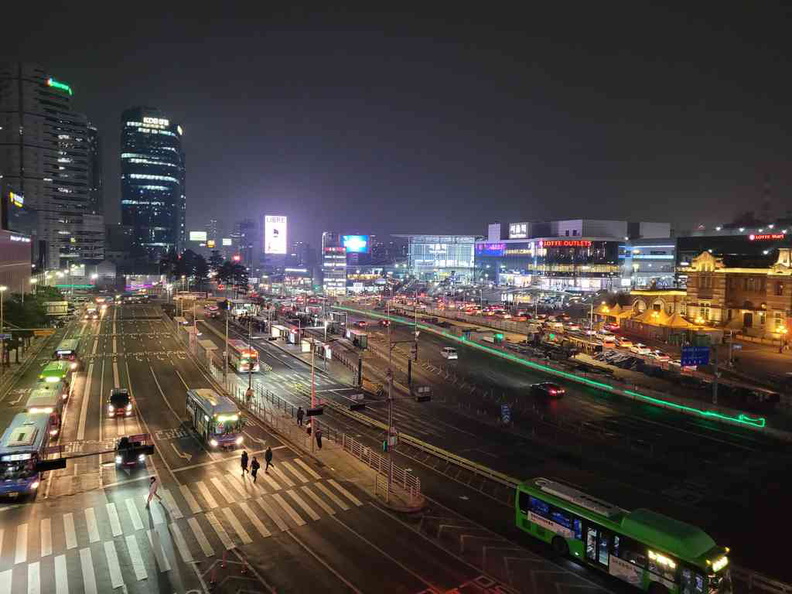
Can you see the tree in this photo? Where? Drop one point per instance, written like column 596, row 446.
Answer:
column 232, row 273
column 215, row 260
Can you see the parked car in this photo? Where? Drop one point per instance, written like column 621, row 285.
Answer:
column 361, row 324
column 640, row 349
column 624, row 343
column 660, row 355
column 449, row 353
column 547, row 389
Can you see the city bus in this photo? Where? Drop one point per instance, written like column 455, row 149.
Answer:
column 68, row 351
column 48, row 399
column 55, row 372
column 241, row 357
column 216, row 418
column 21, row 448
column 651, row 551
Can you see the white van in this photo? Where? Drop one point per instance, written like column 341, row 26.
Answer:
column 449, row 353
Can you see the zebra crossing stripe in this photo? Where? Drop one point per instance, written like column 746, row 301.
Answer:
column 282, row 476
column 318, row 500
column 21, row 544
column 206, row 494
column 71, row 534
column 289, row 510
column 159, row 552
column 273, row 515
column 346, row 493
column 137, row 560
column 5, row 581
column 333, row 497
column 46, row 537
column 34, row 578
column 115, row 523
column 172, row 506
column 198, row 532
column 238, row 486
column 61, row 575
column 219, row 530
column 308, row 469
column 86, row 564
column 116, row 579
column 133, row 513
column 271, row 481
column 254, row 520
column 191, row 501
column 295, row 472
column 93, row 529
column 301, row 502
column 235, row 524
column 223, row 490
column 181, row 544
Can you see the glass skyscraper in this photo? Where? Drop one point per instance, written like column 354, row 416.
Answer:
column 153, row 198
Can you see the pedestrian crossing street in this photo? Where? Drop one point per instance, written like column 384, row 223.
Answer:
column 122, row 542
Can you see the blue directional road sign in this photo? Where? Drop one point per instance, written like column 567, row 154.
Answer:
column 505, row 413
column 5, row 337
column 694, row 356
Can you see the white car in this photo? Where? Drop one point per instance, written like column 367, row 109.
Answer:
column 640, row 349
column 449, row 353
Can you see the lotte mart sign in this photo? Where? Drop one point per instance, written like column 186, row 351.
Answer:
column 765, row 236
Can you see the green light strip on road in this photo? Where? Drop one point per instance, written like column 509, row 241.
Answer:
column 741, row 419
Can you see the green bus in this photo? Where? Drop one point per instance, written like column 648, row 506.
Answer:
column 68, row 351
column 649, row 550
column 57, row 371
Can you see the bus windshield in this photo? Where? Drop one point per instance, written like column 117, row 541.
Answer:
column 224, row 426
column 17, row 469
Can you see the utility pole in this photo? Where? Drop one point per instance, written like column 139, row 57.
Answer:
column 250, row 346
column 390, row 407
column 195, row 325
column 314, row 420
column 225, row 366
column 3, row 289
column 716, row 374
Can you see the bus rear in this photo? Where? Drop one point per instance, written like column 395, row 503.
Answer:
column 67, row 351
column 21, row 447
column 47, row 400
column 57, row 372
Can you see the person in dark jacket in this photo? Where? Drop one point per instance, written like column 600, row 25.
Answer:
column 268, row 459
column 244, row 462
column 300, row 415
column 254, row 468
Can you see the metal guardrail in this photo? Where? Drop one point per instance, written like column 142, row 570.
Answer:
column 757, row 582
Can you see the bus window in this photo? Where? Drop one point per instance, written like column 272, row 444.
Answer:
column 691, row 582
column 591, row 543
column 604, row 543
column 578, row 528
column 523, row 502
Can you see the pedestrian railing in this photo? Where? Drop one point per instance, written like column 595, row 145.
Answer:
column 410, row 483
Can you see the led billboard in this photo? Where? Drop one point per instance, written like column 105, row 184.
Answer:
column 275, row 234
column 197, row 235
column 227, row 241
column 355, row 244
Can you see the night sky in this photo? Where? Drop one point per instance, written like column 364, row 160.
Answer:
column 439, row 120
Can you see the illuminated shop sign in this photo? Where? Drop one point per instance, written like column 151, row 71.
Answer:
column 16, row 199
column 565, row 243
column 490, row 249
column 765, row 236
column 518, row 252
column 518, row 230
column 156, row 122
column 55, row 84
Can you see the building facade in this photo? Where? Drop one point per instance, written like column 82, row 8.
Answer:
column 47, row 159
column 441, row 257
column 153, row 194
column 334, row 265
column 648, row 264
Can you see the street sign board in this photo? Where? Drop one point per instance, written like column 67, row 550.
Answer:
column 737, row 347
column 694, row 356
column 44, row 332
column 5, row 336
column 505, row 413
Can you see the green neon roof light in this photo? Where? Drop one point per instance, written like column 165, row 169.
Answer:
column 741, row 419
column 55, row 84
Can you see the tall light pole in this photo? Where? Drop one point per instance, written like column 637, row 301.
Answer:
column 250, row 346
column 225, row 364
column 3, row 289
column 390, row 404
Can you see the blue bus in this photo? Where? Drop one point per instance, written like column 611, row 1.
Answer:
column 215, row 417
column 21, row 448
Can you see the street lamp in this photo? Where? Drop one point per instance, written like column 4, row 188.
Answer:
column 3, row 289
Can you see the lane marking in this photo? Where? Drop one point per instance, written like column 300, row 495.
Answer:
column 116, row 376
column 333, row 497
column 295, row 472
column 203, row 542
column 343, row 491
column 219, row 530
column 210, row 501
column 301, row 502
column 254, row 520
column 308, row 469
column 296, row 518
column 318, row 500
column 223, row 490
column 159, row 552
column 93, row 528
column 271, row 482
column 115, row 523
column 46, row 537
column 71, row 534
column 191, row 501
column 61, row 575
column 238, row 486
column 34, row 578
column 237, row 526
column 172, row 507
column 21, row 544
column 137, row 560
column 181, row 544
column 116, row 579
column 89, row 578
column 323, row 562
column 84, row 404
column 133, row 513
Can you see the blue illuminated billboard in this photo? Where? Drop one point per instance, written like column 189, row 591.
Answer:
column 355, row 244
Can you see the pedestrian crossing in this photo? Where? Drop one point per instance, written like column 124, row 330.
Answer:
column 121, row 542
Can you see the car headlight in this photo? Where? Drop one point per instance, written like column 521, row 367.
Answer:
column 64, row 396
column 53, row 432
column 213, row 443
column 118, row 459
column 74, row 365
column 34, row 485
column 110, row 408
column 239, row 440
column 129, row 406
column 141, row 457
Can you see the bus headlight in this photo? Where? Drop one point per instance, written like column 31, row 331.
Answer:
column 34, row 485
column 141, row 457
column 65, row 395
column 74, row 365
column 129, row 406
column 119, row 459
column 239, row 440
column 53, row 432
column 110, row 408
column 213, row 443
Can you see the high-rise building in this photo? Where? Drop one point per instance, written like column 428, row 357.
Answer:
column 213, row 232
column 153, row 196
column 334, row 265
column 45, row 159
column 96, row 183
column 247, row 241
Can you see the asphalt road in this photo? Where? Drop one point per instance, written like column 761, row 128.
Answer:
column 300, row 528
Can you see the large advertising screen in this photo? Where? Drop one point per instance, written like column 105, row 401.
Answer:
column 355, row 244
column 275, row 234
column 197, row 235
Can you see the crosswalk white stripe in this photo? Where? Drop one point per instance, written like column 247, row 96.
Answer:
column 191, row 501
column 273, row 515
column 46, row 537
column 34, row 578
column 219, row 530
column 157, row 511
column 334, row 498
column 210, row 501
column 71, row 534
column 89, row 578
column 159, row 552
column 238, row 486
column 61, row 575
column 346, row 493
column 237, row 526
column 300, row 476
column 116, row 579
column 2, row 532
column 115, row 523
column 308, row 469
column 181, row 544
column 254, row 520
column 227, row 495
column 301, row 502
column 289, row 510
column 318, row 500
column 271, row 482
column 137, row 560
column 21, row 544
column 173, row 508
column 5, row 581
column 133, row 513
column 203, row 542
column 282, row 477
column 93, row 529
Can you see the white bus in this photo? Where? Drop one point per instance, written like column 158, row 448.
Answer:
column 216, row 418
column 241, row 357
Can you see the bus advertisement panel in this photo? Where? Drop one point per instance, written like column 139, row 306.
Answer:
column 241, row 357
column 21, row 448
column 215, row 418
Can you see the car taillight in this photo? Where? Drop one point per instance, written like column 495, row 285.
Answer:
column 552, row 391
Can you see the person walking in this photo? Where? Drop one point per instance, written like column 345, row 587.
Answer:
column 254, row 468
column 153, row 486
column 319, row 437
column 268, row 459
column 244, row 461
column 300, row 415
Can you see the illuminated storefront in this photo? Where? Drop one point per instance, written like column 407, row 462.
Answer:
column 441, row 257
